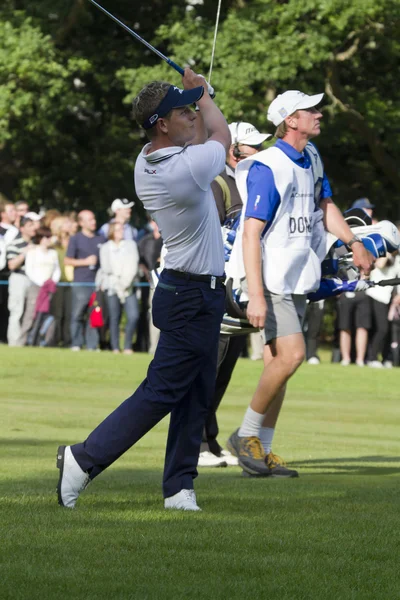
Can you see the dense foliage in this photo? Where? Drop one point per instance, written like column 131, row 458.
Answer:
column 68, row 74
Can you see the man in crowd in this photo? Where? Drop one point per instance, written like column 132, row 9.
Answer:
column 285, row 193
column 83, row 254
column 246, row 141
column 18, row 282
column 22, row 208
column 121, row 208
column 173, row 174
column 8, row 215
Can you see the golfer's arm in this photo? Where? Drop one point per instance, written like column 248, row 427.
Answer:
column 214, row 121
column 334, row 221
column 252, row 256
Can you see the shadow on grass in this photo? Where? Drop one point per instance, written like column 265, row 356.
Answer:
column 361, row 465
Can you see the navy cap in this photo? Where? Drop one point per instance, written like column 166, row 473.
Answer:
column 175, row 98
column 362, row 203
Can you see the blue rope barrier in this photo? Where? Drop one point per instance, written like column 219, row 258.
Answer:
column 86, row 284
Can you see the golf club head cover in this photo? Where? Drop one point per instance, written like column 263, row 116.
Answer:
column 333, row 287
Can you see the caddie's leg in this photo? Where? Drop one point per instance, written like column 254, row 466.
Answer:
column 287, row 355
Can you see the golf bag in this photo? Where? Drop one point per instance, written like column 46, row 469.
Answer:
column 339, row 273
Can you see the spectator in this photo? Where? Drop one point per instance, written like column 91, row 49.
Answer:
column 49, row 216
column 380, row 303
column 354, row 313
column 119, row 265
column 365, row 204
column 3, row 256
column 21, row 208
column 73, row 222
column 83, row 254
column 41, row 264
column 18, row 283
column 61, row 301
column 150, row 246
column 312, row 329
column 122, row 209
column 8, row 215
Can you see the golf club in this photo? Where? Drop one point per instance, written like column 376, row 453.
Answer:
column 139, row 38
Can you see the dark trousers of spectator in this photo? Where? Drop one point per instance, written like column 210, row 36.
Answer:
column 115, row 307
column 230, row 349
column 180, row 380
column 378, row 340
column 314, row 318
column 61, row 306
column 79, row 319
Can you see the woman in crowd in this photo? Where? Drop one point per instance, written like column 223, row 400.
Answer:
column 119, row 264
column 61, row 301
column 41, row 264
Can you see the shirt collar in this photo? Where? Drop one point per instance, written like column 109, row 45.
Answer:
column 162, row 154
column 299, row 158
column 229, row 171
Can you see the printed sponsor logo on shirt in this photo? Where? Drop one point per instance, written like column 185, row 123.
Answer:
column 296, row 194
column 150, row 171
column 256, row 203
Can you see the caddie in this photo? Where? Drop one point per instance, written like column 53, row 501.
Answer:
column 173, row 174
column 287, row 207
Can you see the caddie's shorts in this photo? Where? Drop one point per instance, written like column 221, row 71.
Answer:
column 285, row 315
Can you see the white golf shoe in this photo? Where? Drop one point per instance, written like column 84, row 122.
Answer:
column 183, row 500
column 208, row 459
column 72, row 480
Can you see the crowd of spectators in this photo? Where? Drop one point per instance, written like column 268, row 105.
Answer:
column 51, row 264
column 55, row 269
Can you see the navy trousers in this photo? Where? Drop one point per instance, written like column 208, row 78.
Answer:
column 180, row 381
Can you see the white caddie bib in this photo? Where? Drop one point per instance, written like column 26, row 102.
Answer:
column 290, row 264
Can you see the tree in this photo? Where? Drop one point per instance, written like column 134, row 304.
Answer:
column 350, row 50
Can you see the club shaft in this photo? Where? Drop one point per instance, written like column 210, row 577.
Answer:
column 139, row 38
column 391, row 282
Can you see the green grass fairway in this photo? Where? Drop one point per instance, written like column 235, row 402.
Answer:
column 331, row 534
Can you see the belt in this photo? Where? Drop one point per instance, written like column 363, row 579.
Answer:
column 213, row 280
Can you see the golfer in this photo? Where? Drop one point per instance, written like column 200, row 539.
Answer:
column 287, row 200
column 173, row 174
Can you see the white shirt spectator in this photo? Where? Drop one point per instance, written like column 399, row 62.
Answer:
column 41, row 265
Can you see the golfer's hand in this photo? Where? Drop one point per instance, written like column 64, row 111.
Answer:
column 191, row 80
column 257, row 311
column 362, row 258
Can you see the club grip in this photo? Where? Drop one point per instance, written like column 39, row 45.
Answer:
column 384, row 282
column 175, row 66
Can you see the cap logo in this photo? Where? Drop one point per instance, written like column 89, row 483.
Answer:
column 178, row 89
column 153, row 119
column 283, row 112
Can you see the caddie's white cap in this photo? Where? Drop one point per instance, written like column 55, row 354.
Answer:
column 287, row 103
column 246, row 133
column 121, row 203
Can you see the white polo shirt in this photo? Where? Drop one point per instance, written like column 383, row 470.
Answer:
column 174, row 186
